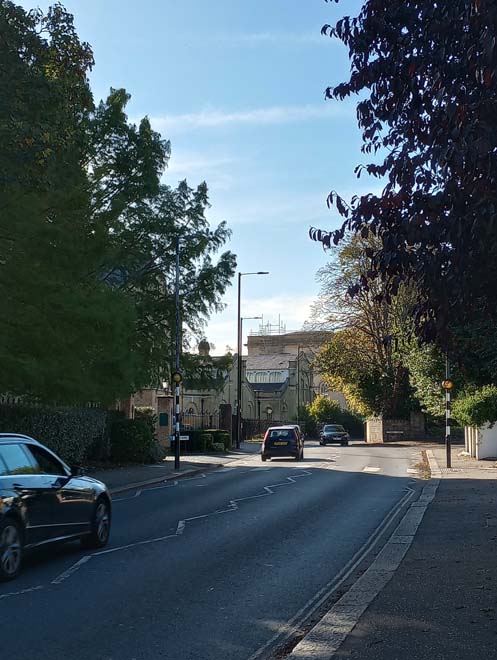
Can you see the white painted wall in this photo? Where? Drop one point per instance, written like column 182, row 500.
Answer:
column 481, row 443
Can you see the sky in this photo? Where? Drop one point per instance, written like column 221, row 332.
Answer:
column 238, row 88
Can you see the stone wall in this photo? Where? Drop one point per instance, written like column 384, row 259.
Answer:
column 380, row 430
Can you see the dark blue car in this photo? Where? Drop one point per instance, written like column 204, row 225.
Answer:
column 43, row 500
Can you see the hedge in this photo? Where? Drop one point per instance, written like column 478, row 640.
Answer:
column 132, row 441
column 476, row 408
column 75, row 434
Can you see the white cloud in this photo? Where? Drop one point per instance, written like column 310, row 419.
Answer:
column 216, row 170
column 293, row 310
column 213, row 118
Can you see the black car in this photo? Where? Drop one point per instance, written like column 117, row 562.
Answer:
column 42, row 501
column 281, row 441
column 334, row 433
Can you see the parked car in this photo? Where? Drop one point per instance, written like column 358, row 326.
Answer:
column 334, row 433
column 281, row 441
column 43, row 500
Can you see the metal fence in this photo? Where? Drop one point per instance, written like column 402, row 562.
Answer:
column 195, row 422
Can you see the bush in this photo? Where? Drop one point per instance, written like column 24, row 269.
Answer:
column 221, row 436
column 324, row 410
column 147, row 414
column 132, row 442
column 477, row 408
column 200, row 441
column 75, row 434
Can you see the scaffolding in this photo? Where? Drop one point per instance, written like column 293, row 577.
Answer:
column 269, row 328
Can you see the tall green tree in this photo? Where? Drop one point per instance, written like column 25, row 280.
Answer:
column 366, row 357
column 87, row 227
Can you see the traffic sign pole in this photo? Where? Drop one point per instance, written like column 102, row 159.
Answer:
column 447, row 385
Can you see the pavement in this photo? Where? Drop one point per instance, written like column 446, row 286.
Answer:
column 119, row 479
column 441, row 602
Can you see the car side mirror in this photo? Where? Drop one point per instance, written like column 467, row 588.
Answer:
column 77, row 471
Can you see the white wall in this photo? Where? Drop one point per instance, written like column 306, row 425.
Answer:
column 481, row 443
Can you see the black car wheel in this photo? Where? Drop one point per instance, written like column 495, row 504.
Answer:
column 345, row 444
column 10, row 549
column 263, row 458
column 100, row 526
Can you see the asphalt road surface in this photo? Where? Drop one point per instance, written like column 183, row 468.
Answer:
column 219, row 566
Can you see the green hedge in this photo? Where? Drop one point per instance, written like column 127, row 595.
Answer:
column 201, row 440
column 132, row 441
column 221, row 436
column 75, row 434
column 476, row 408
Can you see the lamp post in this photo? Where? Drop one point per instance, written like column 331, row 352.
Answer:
column 239, row 347
column 176, row 376
column 298, row 384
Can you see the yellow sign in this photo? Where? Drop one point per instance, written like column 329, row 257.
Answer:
column 177, row 377
column 447, row 384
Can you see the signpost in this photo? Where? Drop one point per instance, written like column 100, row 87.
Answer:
column 447, row 384
column 176, row 378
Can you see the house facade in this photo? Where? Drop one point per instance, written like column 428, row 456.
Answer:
column 277, row 378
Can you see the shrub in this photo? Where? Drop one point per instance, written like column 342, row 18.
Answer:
column 200, row 441
column 221, row 436
column 72, row 433
column 147, row 414
column 476, row 408
column 324, row 410
column 132, row 441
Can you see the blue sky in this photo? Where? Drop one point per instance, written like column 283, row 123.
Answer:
column 237, row 86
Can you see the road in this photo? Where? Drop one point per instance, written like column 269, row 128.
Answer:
column 213, row 567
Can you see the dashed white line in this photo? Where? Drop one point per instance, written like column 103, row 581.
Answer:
column 181, row 526
column 371, row 469
column 66, row 574
column 22, row 591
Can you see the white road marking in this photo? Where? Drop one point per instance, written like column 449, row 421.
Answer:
column 369, row 468
column 22, row 591
column 324, row 640
column 66, row 574
column 181, row 526
column 325, row 592
column 412, row 471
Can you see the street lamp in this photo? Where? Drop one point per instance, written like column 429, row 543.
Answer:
column 176, row 376
column 239, row 374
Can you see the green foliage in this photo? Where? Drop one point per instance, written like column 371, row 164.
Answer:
column 202, row 440
column 147, row 414
column 75, row 434
column 366, row 357
column 476, row 408
column 87, row 229
column 323, row 410
column 307, row 422
column 132, row 442
column 205, row 373
column 426, row 373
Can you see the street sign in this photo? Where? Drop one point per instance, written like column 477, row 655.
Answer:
column 184, row 437
column 177, row 377
column 447, row 384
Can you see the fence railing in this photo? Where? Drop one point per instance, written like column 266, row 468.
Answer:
column 194, row 422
